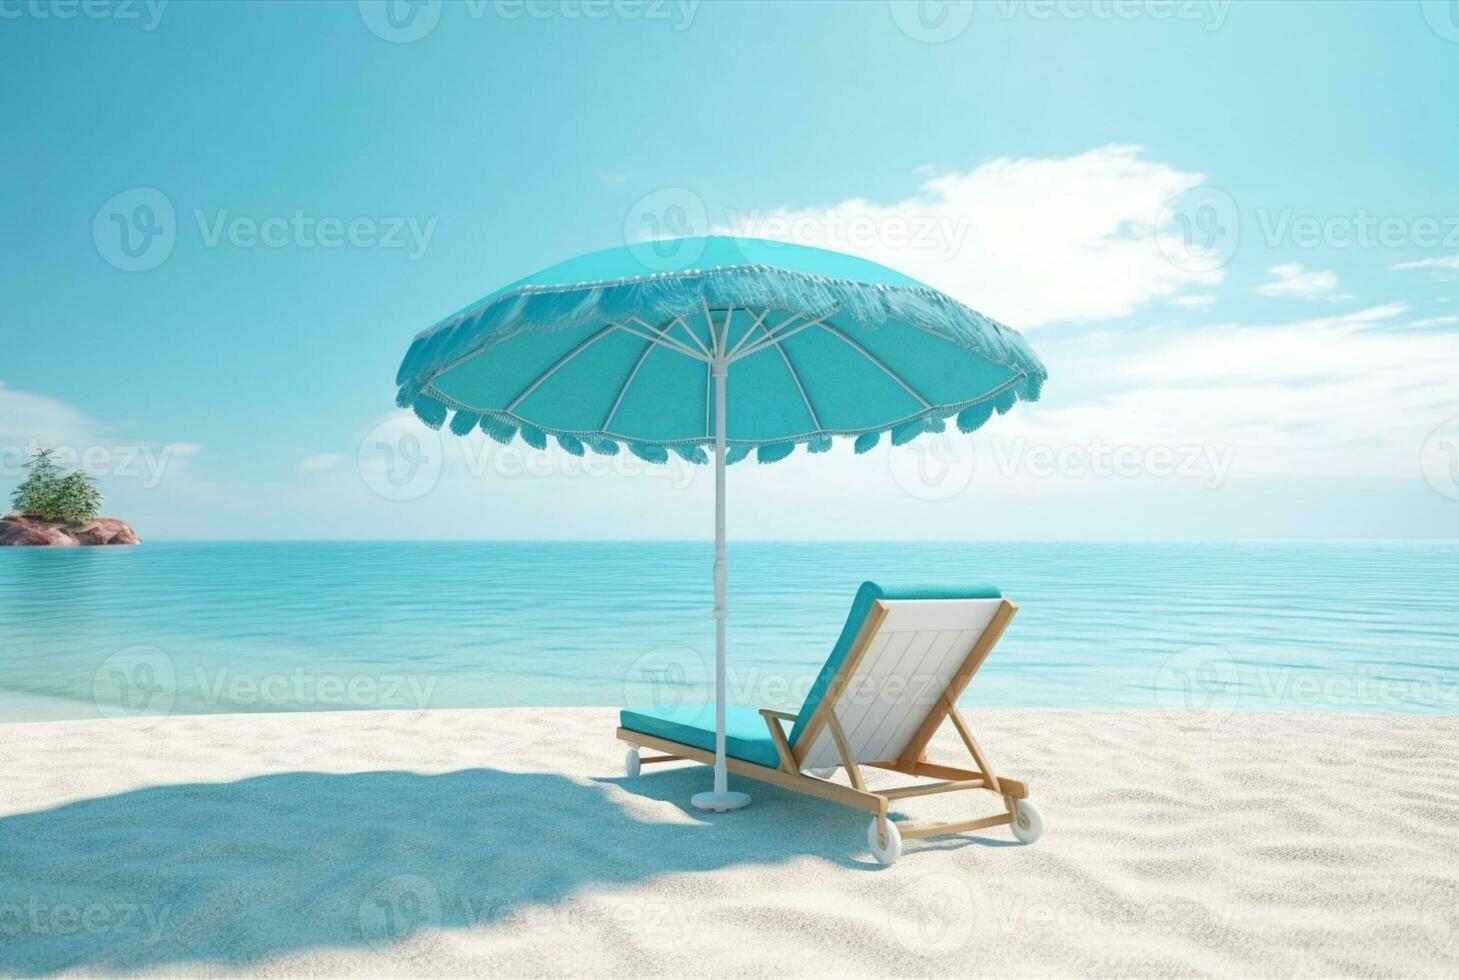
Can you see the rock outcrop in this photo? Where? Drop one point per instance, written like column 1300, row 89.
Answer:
column 29, row 531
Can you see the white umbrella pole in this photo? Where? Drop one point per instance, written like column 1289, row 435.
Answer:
column 721, row 799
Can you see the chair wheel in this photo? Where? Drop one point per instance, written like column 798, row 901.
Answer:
column 632, row 765
column 1027, row 825
column 823, row 772
column 893, row 850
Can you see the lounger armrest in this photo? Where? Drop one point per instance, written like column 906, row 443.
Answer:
column 777, row 735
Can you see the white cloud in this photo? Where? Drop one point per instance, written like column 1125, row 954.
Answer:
column 321, row 462
column 1194, row 301
column 1028, row 241
column 30, row 419
column 1341, row 396
column 1434, row 321
column 1449, row 262
column 1294, row 280
column 129, row 469
column 1317, row 348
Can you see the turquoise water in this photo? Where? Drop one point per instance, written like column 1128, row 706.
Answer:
column 227, row 627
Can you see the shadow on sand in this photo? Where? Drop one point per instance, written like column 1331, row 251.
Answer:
column 233, row 873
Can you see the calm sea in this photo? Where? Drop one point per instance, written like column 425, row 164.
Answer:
column 230, row 627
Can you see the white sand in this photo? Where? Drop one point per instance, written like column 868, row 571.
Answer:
column 1255, row 845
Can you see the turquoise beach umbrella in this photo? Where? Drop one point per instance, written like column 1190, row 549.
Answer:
column 729, row 346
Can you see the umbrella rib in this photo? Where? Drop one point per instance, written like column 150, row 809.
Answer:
column 627, row 383
column 761, row 345
column 759, row 321
column 561, row 362
column 693, row 336
column 660, row 339
column 708, row 396
column 665, row 330
column 715, row 340
column 795, row 376
column 877, row 361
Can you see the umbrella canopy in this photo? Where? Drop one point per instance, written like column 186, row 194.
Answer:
column 737, row 345
column 611, row 348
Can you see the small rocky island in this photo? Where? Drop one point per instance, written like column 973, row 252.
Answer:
column 32, row 530
column 52, row 510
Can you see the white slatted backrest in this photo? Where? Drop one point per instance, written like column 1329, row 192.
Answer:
column 908, row 663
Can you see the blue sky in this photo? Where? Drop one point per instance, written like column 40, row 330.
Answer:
column 1231, row 231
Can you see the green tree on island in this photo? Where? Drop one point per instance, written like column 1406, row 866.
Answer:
column 47, row 494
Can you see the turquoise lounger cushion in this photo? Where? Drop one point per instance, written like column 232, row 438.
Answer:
column 746, row 736
column 869, row 593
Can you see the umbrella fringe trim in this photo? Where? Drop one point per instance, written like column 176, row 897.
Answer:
column 432, row 407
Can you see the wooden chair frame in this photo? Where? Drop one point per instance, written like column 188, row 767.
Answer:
column 912, row 761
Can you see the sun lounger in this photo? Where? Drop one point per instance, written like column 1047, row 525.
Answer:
column 894, row 677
